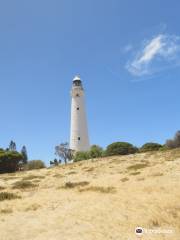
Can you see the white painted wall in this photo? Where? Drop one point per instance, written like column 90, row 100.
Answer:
column 78, row 121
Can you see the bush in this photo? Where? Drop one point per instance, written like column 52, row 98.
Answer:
column 150, row 147
column 120, row 148
column 9, row 161
column 163, row 148
column 34, row 164
column 95, row 151
column 79, row 156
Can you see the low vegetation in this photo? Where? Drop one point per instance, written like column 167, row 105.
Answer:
column 125, row 179
column 72, row 172
column 58, row 175
column 75, row 184
column 33, row 207
column 31, row 177
column 8, row 196
column 100, row 189
column 35, row 164
column 6, row 211
column 120, row 148
column 23, row 184
column 125, row 148
column 134, row 173
column 150, row 147
column 137, row 166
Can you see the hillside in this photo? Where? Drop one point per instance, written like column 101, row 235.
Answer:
column 99, row 199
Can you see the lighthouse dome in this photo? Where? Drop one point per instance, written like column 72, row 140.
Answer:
column 76, row 78
column 77, row 81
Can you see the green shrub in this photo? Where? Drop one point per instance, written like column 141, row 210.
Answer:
column 9, row 161
column 95, row 151
column 163, row 148
column 79, row 156
column 120, row 148
column 34, row 164
column 150, row 147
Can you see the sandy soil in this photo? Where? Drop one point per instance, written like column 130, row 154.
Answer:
column 103, row 199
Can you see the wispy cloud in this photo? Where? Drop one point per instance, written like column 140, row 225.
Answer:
column 160, row 52
column 127, row 48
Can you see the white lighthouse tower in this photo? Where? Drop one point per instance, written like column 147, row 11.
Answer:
column 79, row 139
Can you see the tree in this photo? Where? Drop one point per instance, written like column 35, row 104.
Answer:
column 64, row 152
column 9, row 161
column 175, row 142
column 79, row 156
column 12, row 146
column 120, row 148
column 55, row 162
column 95, row 151
column 150, row 146
column 24, row 154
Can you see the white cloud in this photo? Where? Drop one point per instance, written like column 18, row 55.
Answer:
column 158, row 52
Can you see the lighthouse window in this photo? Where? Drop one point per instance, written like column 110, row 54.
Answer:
column 77, row 108
column 79, row 138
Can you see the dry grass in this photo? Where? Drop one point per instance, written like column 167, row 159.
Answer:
column 135, row 173
column 2, row 188
column 140, row 179
column 125, row 179
column 158, row 174
column 30, row 177
column 95, row 204
column 10, row 178
column 98, row 189
column 24, row 185
column 6, row 211
column 58, row 175
column 36, row 181
column 90, row 169
column 75, row 184
column 72, row 172
column 155, row 223
column 33, row 207
column 8, row 196
column 137, row 166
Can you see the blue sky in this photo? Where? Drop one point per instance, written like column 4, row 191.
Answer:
column 126, row 52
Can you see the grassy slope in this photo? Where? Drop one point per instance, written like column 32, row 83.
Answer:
column 100, row 199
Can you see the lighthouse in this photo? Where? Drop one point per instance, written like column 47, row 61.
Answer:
column 79, row 139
